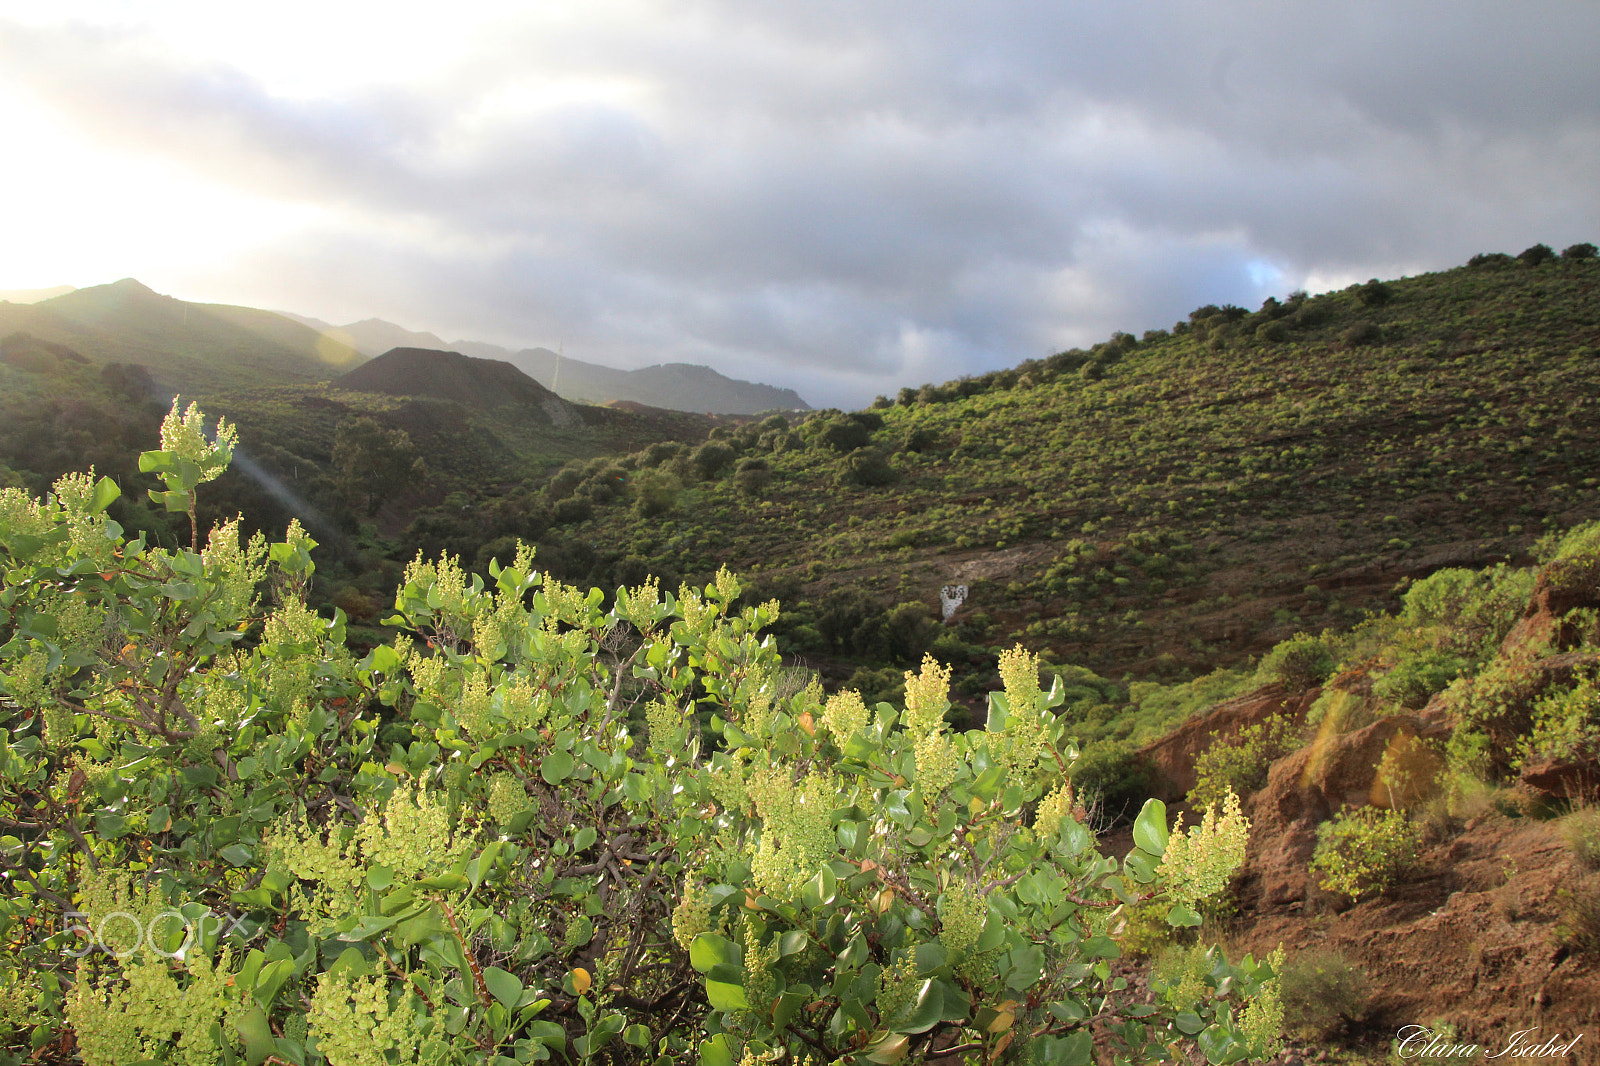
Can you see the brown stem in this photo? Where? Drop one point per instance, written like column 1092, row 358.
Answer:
column 466, row 951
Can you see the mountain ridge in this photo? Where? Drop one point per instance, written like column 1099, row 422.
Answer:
column 690, row 387
column 187, row 347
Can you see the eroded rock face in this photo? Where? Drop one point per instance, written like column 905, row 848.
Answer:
column 1561, row 588
column 1171, row 759
column 1329, row 774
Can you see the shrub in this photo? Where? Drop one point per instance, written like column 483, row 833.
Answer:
column 1365, row 850
column 1490, row 260
column 1360, row 334
column 1474, row 610
column 752, row 476
column 1274, row 332
column 1414, row 680
column 1581, row 829
column 1239, row 764
column 655, row 492
column 1322, row 994
column 1584, row 250
column 1539, row 253
column 571, row 510
column 1566, row 724
column 410, row 850
column 1409, row 771
column 1374, row 293
column 1110, row 777
column 1299, row 663
column 869, row 467
column 1578, row 924
column 710, row 458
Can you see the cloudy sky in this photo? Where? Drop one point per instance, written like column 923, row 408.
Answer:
column 843, row 197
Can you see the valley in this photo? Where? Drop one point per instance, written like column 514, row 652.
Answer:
column 1337, row 555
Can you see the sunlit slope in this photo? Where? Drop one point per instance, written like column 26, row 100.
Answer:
column 1184, row 499
column 189, row 347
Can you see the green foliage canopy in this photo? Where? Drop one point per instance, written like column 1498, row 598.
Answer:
column 504, row 836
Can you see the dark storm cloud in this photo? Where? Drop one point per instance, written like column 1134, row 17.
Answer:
column 850, row 197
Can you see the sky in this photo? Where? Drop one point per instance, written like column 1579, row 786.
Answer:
column 840, row 197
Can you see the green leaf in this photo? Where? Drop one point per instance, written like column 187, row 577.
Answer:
column 237, row 855
column 172, row 501
column 708, row 950
column 447, row 881
column 110, row 826
column 1074, row 1049
column 716, row 1052
column 793, row 942
column 1150, row 828
column 584, row 840
column 725, row 988
column 1142, row 866
column 1220, row 1046
column 922, row 1014
column 270, row 981
column 555, row 767
column 155, row 462
column 504, row 986
column 637, row 1036
column 1180, row 915
column 256, row 1034
column 105, row 493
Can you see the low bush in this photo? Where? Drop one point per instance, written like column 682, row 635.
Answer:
column 1414, row 680
column 1581, row 829
column 1239, row 764
column 1578, row 925
column 1322, row 994
column 1539, row 253
column 1365, row 850
column 1299, row 663
column 1583, row 250
column 1566, row 724
column 530, row 828
column 1374, row 293
column 1361, row 333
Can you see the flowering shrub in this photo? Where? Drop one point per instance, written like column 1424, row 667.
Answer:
column 1365, row 850
column 210, row 856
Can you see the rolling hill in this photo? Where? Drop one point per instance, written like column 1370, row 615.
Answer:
column 188, row 347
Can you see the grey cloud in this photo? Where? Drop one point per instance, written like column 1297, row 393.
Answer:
column 850, row 197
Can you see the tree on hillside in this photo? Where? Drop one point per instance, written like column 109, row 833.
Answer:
column 373, row 462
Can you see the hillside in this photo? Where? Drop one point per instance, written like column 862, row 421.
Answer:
column 189, row 347
column 1157, row 507
column 477, row 383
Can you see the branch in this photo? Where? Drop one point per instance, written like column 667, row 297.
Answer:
column 466, row 951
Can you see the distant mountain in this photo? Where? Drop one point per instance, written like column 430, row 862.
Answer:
column 33, row 296
column 188, row 347
column 674, row 386
column 476, row 384
column 679, row 386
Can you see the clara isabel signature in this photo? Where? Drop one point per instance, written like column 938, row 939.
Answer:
column 1425, row 1044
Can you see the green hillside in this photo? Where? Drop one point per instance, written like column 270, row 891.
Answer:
column 1152, row 506
column 190, row 347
